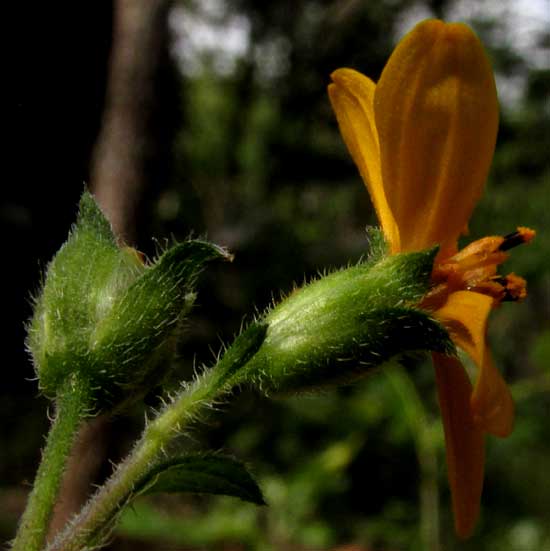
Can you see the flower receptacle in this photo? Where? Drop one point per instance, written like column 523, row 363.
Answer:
column 343, row 325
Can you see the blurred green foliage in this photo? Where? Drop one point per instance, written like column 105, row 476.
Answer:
column 259, row 166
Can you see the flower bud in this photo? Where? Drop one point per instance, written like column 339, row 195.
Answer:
column 106, row 316
column 343, row 325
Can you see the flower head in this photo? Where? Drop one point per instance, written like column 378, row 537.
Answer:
column 423, row 138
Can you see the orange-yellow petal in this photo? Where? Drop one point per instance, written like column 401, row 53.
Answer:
column 352, row 95
column 464, row 441
column 491, row 402
column 465, row 314
column 436, row 113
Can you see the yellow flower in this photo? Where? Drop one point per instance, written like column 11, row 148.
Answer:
column 423, row 139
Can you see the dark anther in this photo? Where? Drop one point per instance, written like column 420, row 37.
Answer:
column 509, row 296
column 500, row 279
column 510, row 291
column 512, row 240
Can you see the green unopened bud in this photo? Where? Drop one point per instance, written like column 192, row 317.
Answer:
column 343, row 325
column 106, row 316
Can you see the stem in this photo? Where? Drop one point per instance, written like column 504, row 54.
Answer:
column 89, row 526
column 71, row 404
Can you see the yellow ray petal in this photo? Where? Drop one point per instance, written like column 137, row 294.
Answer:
column 436, row 113
column 465, row 314
column 464, row 441
column 492, row 403
column 351, row 95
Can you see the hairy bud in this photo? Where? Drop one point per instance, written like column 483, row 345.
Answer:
column 106, row 316
column 343, row 325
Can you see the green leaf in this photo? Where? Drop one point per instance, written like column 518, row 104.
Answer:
column 147, row 313
column 204, row 474
column 378, row 247
column 239, row 354
column 91, row 219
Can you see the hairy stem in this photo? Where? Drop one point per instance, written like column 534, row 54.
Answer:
column 70, row 409
column 90, row 526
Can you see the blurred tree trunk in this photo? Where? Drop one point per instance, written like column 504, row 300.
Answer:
column 118, row 175
column 118, row 180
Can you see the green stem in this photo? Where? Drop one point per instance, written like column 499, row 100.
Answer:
column 69, row 412
column 90, row 525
